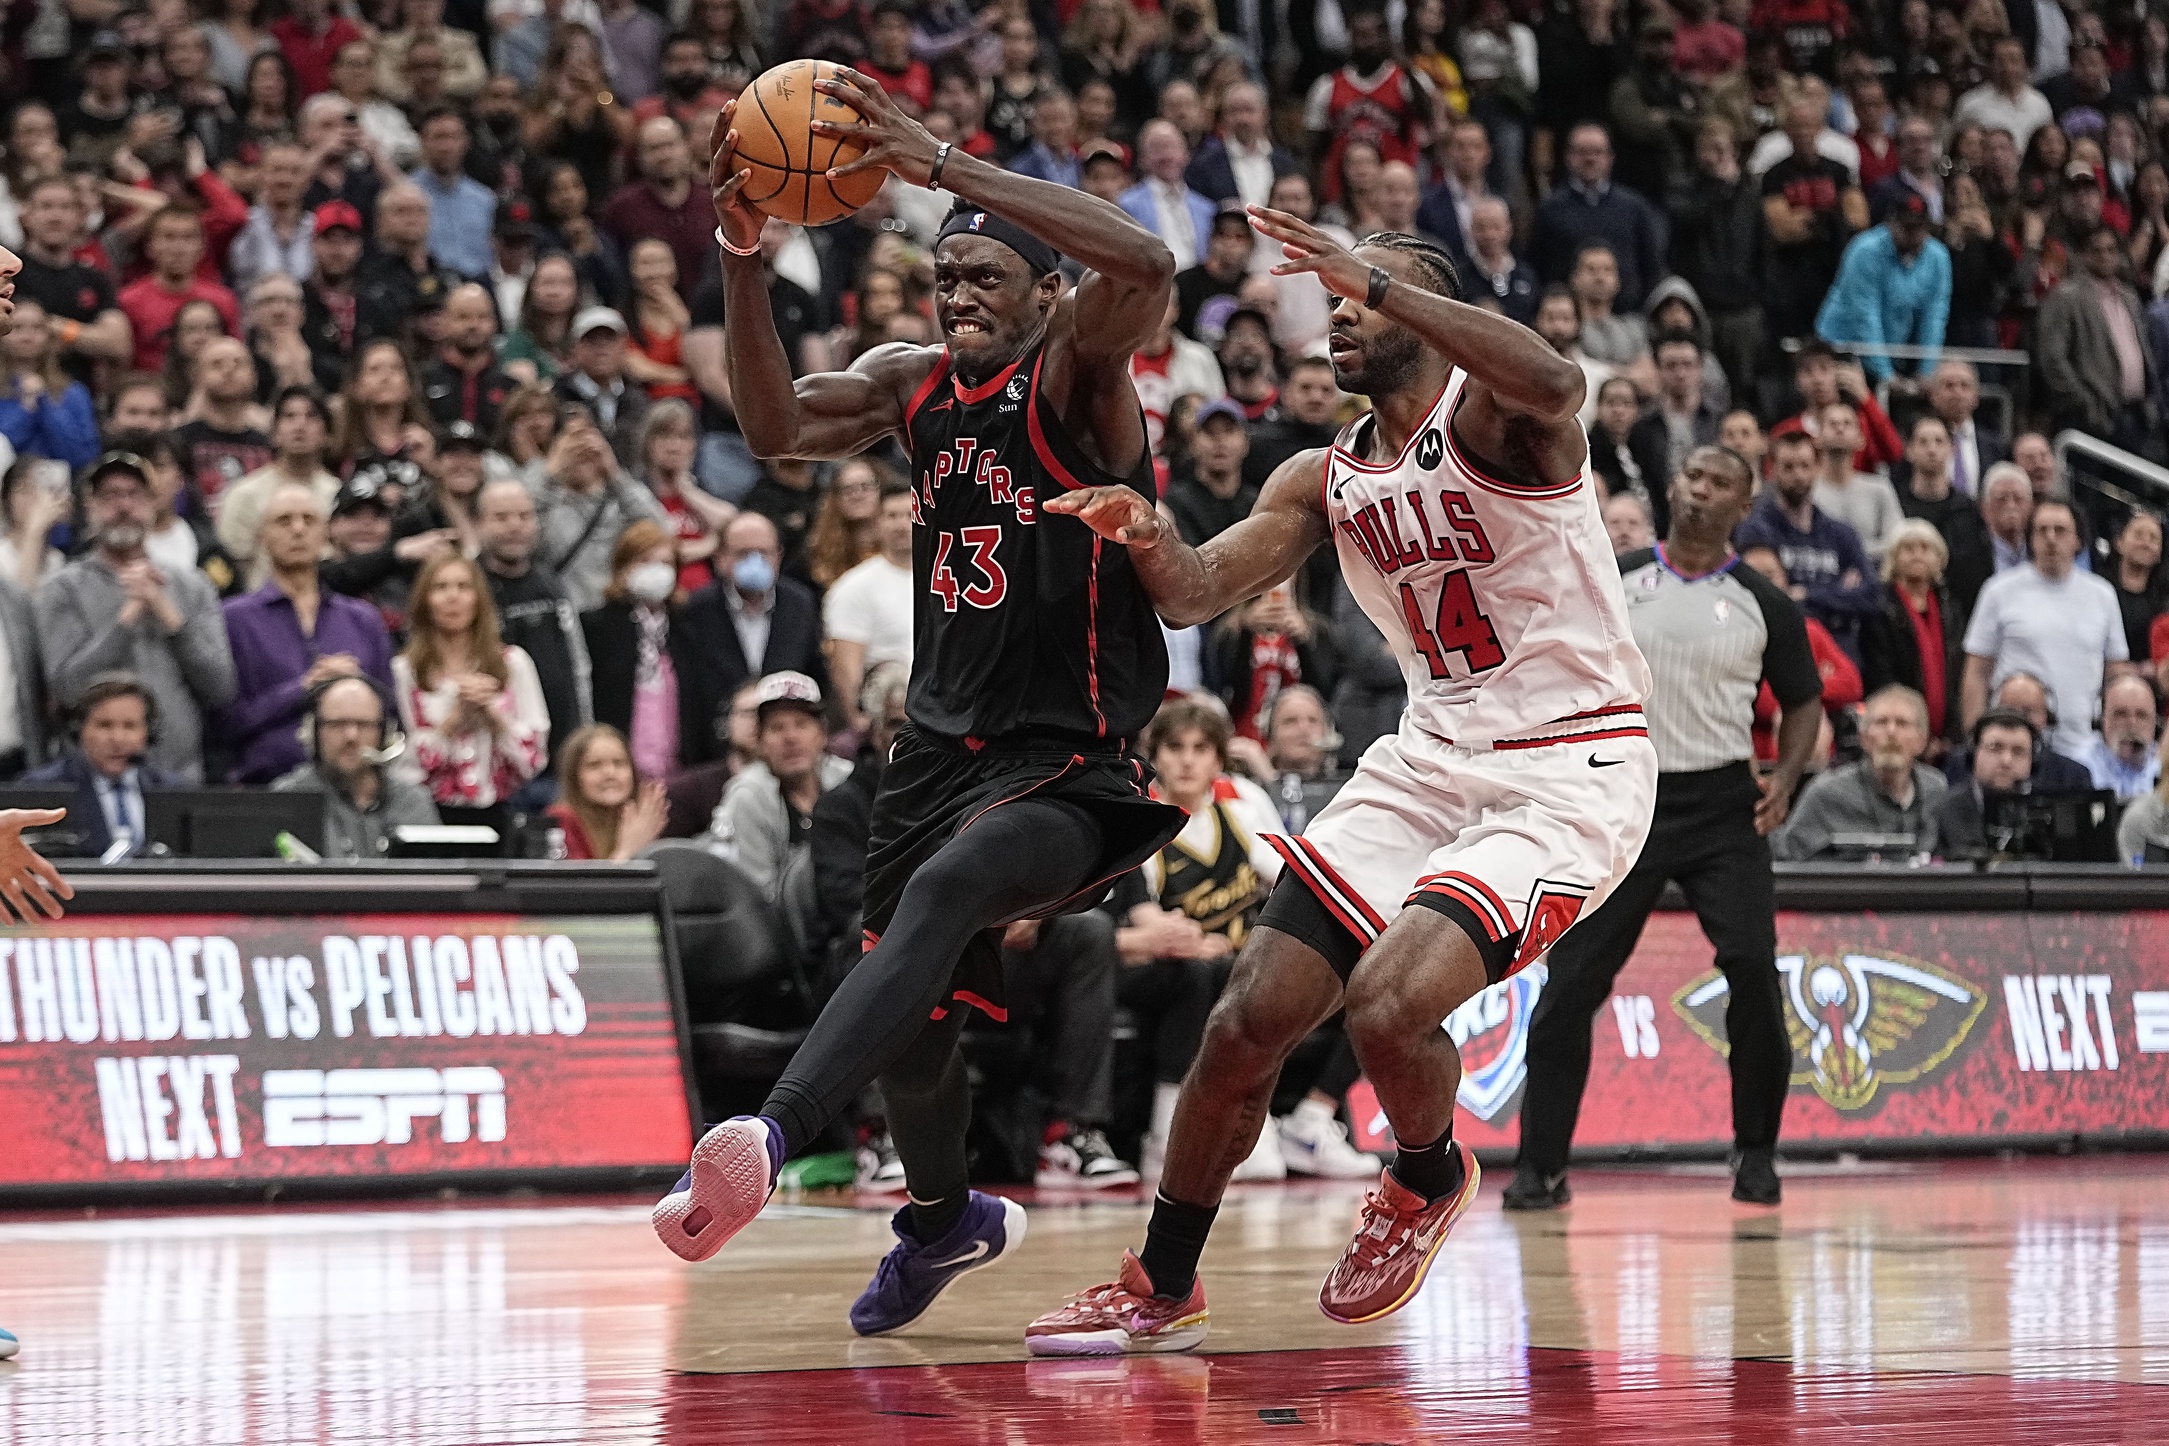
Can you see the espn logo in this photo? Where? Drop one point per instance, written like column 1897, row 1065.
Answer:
column 306, row 1108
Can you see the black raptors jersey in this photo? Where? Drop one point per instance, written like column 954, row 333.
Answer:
column 1026, row 622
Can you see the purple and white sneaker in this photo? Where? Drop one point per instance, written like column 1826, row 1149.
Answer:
column 912, row 1276
column 734, row 1170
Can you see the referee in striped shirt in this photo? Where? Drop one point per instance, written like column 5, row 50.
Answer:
column 1713, row 632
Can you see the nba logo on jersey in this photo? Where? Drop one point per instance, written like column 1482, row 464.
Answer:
column 979, row 220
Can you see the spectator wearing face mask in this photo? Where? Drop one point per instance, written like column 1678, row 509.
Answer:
column 647, row 678
column 752, row 620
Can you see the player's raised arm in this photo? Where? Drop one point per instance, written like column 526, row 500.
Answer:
column 1516, row 378
column 1190, row 585
column 1131, row 269
column 829, row 415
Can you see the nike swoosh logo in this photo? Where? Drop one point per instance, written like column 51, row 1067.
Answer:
column 1606, row 762
column 979, row 1248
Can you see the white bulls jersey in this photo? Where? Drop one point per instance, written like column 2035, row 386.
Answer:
column 1500, row 597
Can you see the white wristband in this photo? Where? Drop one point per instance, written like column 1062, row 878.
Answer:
column 724, row 242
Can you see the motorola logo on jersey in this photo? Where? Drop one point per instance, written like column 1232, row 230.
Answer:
column 1431, row 450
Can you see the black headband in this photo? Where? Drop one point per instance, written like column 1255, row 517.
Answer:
column 1036, row 253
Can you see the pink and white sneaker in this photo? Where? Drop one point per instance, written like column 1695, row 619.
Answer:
column 733, row 1171
column 1123, row 1318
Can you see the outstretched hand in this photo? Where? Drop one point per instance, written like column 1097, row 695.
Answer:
column 894, row 141
column 1309, row 249
column 1119, row 514
column 27, row 881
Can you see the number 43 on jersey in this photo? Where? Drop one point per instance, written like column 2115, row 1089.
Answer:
column 991, row 584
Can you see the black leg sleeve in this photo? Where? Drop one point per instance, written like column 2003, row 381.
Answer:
column 1735, row 895
column 1583, row 965
column 1015, row 859
column 929, row 1099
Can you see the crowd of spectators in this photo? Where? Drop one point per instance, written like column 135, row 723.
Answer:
column 367, row 378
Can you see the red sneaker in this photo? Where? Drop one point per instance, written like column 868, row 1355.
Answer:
column 1385, row 1264
column 1124, row 1318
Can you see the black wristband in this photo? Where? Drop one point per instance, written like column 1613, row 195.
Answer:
column 941, row 158
column 1380, row 280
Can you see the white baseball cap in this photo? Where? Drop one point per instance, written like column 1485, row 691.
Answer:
column 594, row 318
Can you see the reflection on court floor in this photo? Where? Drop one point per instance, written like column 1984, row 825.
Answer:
column 1980, row 1302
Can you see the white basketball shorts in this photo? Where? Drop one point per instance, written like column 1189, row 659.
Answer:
column 1515, row 840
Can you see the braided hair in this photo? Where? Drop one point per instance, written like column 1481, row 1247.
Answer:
column 1431, row 259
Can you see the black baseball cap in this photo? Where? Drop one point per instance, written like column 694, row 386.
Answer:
column 460, row 437
column 127, row 463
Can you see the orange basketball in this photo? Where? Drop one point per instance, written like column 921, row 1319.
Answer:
column 789, row 162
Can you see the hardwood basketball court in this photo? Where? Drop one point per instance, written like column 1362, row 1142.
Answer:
column 1974, row 1302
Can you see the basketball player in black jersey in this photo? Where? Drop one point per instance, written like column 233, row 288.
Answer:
column 1012, row 793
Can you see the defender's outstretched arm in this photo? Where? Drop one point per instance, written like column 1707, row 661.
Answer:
column 1516, row 365
column 1190, row 585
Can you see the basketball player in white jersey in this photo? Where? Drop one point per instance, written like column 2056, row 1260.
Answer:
column 1517, row 792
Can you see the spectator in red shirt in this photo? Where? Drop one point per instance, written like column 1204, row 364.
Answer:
column 889, row 59
column 1874, row 132
column 665, row 204
column 607, row 810
column 174, row 244
column 1704, row 46
column 186, row 180
column 310, row 35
